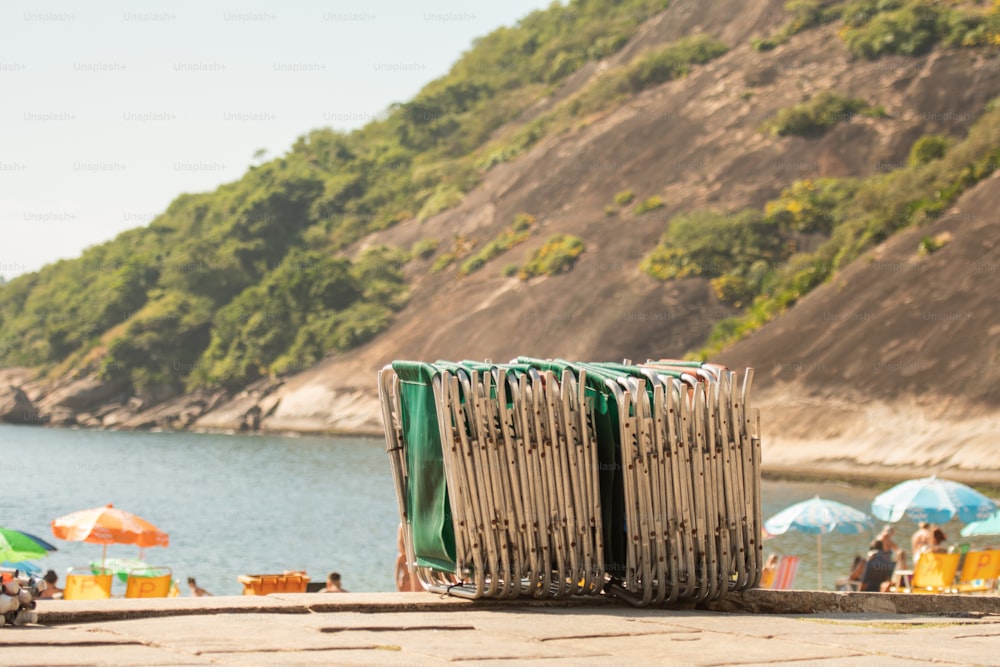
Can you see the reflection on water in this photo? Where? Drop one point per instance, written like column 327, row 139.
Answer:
column 257, row 504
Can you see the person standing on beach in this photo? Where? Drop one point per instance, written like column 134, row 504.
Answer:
column 939, row 539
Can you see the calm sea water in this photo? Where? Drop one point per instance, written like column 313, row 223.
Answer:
column 259, row 504
column 231, row 504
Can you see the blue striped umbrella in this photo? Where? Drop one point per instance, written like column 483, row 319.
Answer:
column 818, row 517
column 934, row 500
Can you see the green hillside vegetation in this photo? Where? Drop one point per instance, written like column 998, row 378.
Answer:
column 818, row 114
column 874, row 28
column 460, row 247
column 557, row 255
column 214, row 290
column 649, row 204
column 519, row 232
column 604, row 92
column 805, row 14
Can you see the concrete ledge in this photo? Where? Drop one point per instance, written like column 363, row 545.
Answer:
column 761, row 601
column 756, row 601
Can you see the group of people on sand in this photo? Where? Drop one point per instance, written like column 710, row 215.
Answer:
column 52, row 590
column 884, row 556
column 873, row 571
column 332, row 586
column 404, row 580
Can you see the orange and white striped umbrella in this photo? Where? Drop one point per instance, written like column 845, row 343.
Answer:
column 108, row 525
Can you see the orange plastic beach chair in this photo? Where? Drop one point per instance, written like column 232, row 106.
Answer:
column 83, row 584
column 979, row 572
column 265, row 584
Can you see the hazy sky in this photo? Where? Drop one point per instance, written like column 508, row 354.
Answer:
column 109, row 110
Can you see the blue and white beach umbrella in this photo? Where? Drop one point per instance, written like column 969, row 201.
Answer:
column 934, row 500
column 819, row 517
column 987, row 526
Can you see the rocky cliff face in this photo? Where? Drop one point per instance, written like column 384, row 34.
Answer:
column 892, row 366
column 851, row 383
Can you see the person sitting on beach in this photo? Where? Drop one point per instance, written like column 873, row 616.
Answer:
column 939, row 538
column 197, row 590
column 922, row 540
column 878, row 568
column 886, row 536
column 769, row 570
column 852, row 582
column 333, row 584
column 858, row 569
column 900, row 559
column 51, row 590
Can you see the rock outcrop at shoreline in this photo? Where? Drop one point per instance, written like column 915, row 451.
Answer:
column 307, row 403
column 90, row 402
column 16, row 407
column 805, row 434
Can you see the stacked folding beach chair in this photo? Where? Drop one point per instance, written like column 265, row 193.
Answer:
column 553, row 479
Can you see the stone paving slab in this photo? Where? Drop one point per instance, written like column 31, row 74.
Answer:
column 126, row 656
column 853, row 661
column 951, row 641
column 37, row 645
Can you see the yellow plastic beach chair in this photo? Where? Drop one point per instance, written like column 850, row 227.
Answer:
column 979, row 573
column 933, row 573
column 149, row 582
column 82, row 583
